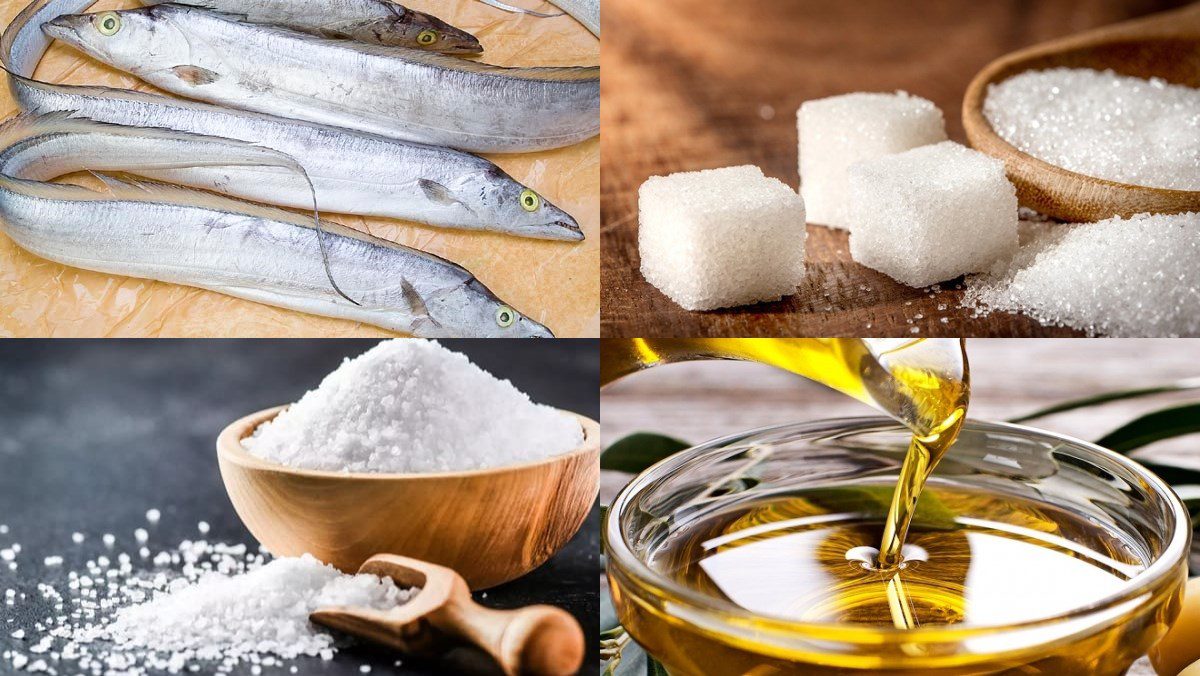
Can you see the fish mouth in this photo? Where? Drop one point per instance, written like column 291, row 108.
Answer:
column 475, row 48
column 566, row 230
column 535, row 330
column 62, row 28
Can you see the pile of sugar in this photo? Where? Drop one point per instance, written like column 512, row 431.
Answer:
column 410, row 405
column 1120, row 277
column 1098, row 123
column 198, row 605
column 838, row 131
column 721, row 237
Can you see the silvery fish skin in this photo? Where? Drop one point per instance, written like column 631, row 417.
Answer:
column 354, row 173
column 372, row 21
column 400, row 93
column 187, row 237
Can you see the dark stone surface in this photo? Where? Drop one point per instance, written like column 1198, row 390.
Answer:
column 94, row 433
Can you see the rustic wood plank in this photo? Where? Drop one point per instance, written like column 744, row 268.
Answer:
column 695, row 84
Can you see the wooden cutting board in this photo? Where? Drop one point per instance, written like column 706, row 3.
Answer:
column 697, row 84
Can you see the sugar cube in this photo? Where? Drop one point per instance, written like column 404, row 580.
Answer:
column 721, row 237
column 838, row 131
column 931, row 214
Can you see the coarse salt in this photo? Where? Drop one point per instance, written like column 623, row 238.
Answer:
column 411, row 405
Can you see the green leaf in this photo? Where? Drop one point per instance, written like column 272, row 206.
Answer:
column 631, row 659
column 1176, row 476
column 638, row 451
column 1165, row 424
column 1178, row 386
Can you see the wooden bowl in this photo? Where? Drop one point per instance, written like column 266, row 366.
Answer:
column 1165, row 45
column 490, row 525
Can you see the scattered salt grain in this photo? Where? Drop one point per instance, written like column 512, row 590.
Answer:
column 53, row 561
column 203, row 527
column 838, row 131
column 3, row 529
column 1119, row 277
column 215, row 610
column 721, row 237
column 109, row 539
column 153, row 516
column 413, row 406
column 8, row 554
column 1098, row 123
column 141, row 535
column 77, row 538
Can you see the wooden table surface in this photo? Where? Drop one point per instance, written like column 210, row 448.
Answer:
column 697, row 84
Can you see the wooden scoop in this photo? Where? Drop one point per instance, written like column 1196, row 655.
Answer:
column 1165, row 45
column 535, row 640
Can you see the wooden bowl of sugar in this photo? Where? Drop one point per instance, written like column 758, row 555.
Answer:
column 491, row 525
column 1165, row 45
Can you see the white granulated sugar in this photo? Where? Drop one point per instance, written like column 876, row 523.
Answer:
column 204, row 606
column 411, row 405
column 1120, row 277
column 1099, row 123
column 721, row 237
column 931, row 214
column 838, row 131
column 153, row 515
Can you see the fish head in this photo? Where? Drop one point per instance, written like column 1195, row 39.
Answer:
column 417, row 30
column 133, row 40
column 471, row 309
column 523, row 209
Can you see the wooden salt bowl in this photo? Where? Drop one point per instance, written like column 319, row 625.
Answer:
column 490, row 525
column 1165, row 45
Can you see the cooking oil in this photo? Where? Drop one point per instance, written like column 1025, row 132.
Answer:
column 922, row 383
column 833, row 579
column 803, row 567
column 811, row 557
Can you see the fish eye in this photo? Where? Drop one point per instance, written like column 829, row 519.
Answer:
column 530, row 200
column 108, row 23
column 505, row 316
column 426, row 37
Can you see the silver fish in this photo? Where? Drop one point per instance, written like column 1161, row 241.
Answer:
column 401, row 93
column 372, row 21
column 353, row 173
column 183, row 236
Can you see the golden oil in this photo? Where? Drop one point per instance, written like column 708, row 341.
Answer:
column 971, row 559
column 823, row 580
column 922, row 383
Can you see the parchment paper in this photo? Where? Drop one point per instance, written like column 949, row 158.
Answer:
column 555, row 283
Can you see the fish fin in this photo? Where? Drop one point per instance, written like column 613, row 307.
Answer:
column 436, row 192
column 195, row 75
column 417, row 304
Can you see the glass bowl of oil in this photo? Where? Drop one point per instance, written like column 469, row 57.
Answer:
column 1029, row 553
